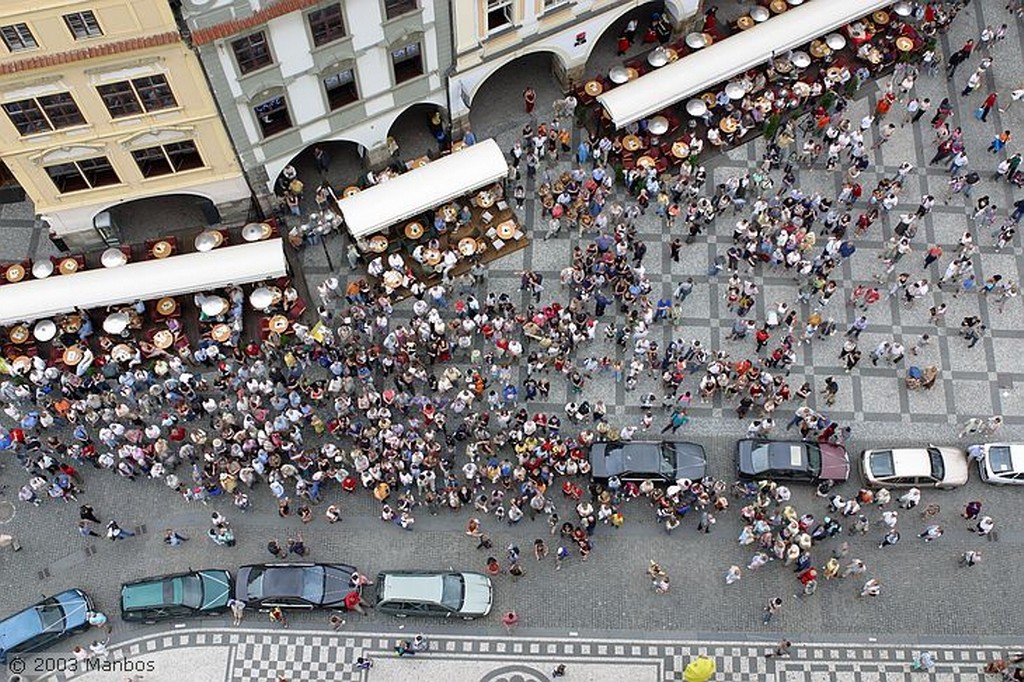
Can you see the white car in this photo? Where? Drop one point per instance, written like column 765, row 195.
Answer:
column 934, row 467
column 1003, row 463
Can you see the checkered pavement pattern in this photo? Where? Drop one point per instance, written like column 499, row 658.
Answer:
column 305, row 656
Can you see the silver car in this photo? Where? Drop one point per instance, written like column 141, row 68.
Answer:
column 933, row 466
column 1002, row 464
column 434, row 593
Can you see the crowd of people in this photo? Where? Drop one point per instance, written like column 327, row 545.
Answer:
column 434, row 412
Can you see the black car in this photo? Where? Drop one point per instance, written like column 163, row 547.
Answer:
column 198, row 593
column 640, row 460
column 294, row 586
column 796, row 460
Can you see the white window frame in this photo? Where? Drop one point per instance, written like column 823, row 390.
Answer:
column 509, row 8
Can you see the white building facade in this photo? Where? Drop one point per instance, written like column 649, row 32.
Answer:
column 293, row 73
column 489, row 34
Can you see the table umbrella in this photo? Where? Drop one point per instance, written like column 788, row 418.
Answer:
column 699, row 669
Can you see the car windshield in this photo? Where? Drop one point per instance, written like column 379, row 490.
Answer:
column 938, row 466
column 881, row 463
column 452, row 592
column 813, row 458
column 759, row 457
column 51, row 615
column 189, row 592
column 667, row 462
column 999, row 459
column 313, row 584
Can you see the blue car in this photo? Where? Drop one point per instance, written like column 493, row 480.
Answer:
column 45, row 624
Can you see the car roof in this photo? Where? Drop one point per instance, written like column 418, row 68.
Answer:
column 1015, row 452
column 24, row 624
column 908, row 461
column 165, row 591
column 419, row 587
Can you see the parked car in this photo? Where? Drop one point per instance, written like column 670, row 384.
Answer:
column 434, row 593
column 797, row 460
column 1003, row 463
column 197, row 593
column 45, row 623
column 640, row 460
column 294, row 586
column 938, row 467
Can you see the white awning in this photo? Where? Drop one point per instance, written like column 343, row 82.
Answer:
column 423, row 188
column 146, row 280
column 736, row 54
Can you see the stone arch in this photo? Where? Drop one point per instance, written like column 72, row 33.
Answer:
column 560, row 60
column 412, row 128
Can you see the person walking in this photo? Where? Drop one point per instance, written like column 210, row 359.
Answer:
column 510, row 620
column 781, row 649
column 773, row 606
column 529, row 99
column 988, row 105
column 237, row 607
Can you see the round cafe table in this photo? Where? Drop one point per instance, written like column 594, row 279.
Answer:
column 506, row 230
column 778, row 6
column 378, row 243
column 122, row 352
column 166, row 306
column 467, row 246
column 835, row 40
column 163, row 339
column 113, row 258
column 161, row 249
column 593, row 88
column 349, row 191
column 646, row 162
column 680, row 149
column 658, row 125
column 485, row 199
column 414, row 230
column 631, row 73
column 22, row 363
column 632, row 143
column 279, row 323
column 431, row 256
column 15, row 273
column 222, row 332
column 72, row 356
column 19, row 334
column 68, row 266
column 745, row 22
column 44, row 330
column 71, row 324
column 728, row 124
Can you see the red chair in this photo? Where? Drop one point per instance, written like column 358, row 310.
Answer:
column 298, row 308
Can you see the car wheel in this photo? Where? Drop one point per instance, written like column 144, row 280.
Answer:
column 468, row 618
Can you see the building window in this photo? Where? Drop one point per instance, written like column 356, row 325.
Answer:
column 127, row 98
column 341, row 88
column 499, row 14
column 407, row 62
column 396, row 8
column 273, row 116
column 83, row 25
column 551, row 4
column 326, row 25
column 17, row 37
column 85, row 174
column 252, row 52
column 44, row 113
column 167, row 159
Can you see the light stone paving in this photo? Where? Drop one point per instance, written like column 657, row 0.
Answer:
column 212, row 655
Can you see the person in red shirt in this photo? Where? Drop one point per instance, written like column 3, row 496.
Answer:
column 988, row 104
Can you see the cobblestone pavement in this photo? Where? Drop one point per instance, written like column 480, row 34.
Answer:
column 923, row 590
column 247, row 655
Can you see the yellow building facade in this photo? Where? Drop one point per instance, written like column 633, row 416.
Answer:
column 104, row 103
